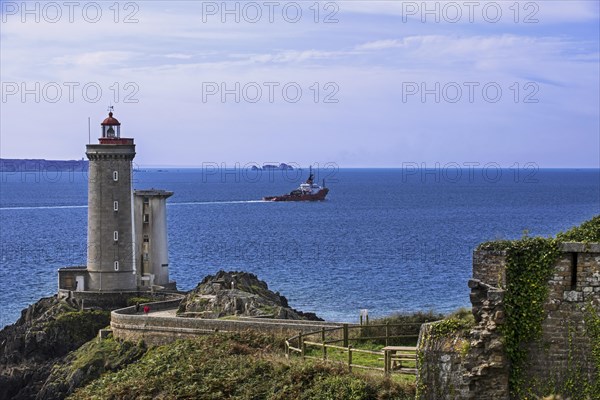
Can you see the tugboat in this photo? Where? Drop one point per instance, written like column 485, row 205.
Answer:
column 308, row 191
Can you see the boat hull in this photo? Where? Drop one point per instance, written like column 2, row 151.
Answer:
column 319, row 196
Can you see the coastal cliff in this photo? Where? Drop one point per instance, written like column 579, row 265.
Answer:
column 44, row 334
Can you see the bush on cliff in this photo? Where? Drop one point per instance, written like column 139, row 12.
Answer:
column 86, row 364
column 79, row 326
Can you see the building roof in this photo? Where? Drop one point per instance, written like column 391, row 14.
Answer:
column 152, row 193
column 110, row 120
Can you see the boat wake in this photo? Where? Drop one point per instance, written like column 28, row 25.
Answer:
column 195, row 203
column 41, row 207
column 190, row 203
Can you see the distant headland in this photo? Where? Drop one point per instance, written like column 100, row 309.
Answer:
column 33, row 165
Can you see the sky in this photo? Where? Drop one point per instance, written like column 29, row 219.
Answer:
column 355, row 83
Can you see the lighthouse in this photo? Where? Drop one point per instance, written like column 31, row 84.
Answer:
column 127, row 246
column 110, row 247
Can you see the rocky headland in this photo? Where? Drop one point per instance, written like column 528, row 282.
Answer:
column 52, row 350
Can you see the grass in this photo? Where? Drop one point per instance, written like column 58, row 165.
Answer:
column 358, row 358
column 245, row 365
column 91, row 360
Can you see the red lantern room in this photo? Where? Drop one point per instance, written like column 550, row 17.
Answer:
column 111, row 128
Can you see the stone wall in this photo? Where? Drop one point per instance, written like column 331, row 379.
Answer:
column 560, row 362
column 564, row 352
column 128, row 325
column 114, row 300
column 441, row 366
column 486, row 361
column 466, row 366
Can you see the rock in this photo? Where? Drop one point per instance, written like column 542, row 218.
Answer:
column 45, row 332
column 238, row 294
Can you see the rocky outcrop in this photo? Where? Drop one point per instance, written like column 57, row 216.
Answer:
column 238, row 294
column 45, row 332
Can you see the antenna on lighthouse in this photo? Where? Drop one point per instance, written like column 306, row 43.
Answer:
column 89, row 132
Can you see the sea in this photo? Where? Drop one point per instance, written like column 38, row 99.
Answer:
column 385, row 240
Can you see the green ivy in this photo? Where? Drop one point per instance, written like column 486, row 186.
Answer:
column 587, row 232
column 592, row 321
column 450, row 326
column 529, row 266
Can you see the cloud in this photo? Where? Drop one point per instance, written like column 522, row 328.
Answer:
column 381, row 45
column 369, row 54
column 97, row 59
column 478, row 12
column 178, row 56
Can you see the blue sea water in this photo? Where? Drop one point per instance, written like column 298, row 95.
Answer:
column 386, row 240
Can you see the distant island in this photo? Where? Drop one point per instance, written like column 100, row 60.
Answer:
column 33, row 165
column 281, row 166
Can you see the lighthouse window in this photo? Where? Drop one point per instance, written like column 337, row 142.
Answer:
column 116, row 235
column 146, row 239
column 146, row 218
column 115, row 176
column 116, row 265
column 116, row 206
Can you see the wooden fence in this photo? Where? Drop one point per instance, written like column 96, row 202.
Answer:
column 396, row 355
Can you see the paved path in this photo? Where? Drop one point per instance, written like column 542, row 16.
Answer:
column 162, row 313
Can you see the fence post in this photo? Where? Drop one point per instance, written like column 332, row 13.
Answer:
column 301, row 344
column 387, row 332
column 386, row 362
column 349, row 358
column 323, row 341
column 303, row 349
column 345, row 330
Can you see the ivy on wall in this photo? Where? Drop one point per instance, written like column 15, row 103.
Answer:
column 529, row 267
column 592, row 322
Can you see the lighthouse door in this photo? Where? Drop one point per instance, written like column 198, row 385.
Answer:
column 80, row 283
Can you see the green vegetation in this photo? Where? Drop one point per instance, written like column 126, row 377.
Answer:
column 587, row 232
column 358, row 358
column 90, row 361
column 399, row 324
column 111, row 353
column 457, row 323
column 242, row 366
column 79, row 326
column 592, row 321
column 132, row 301
column 529, row 266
